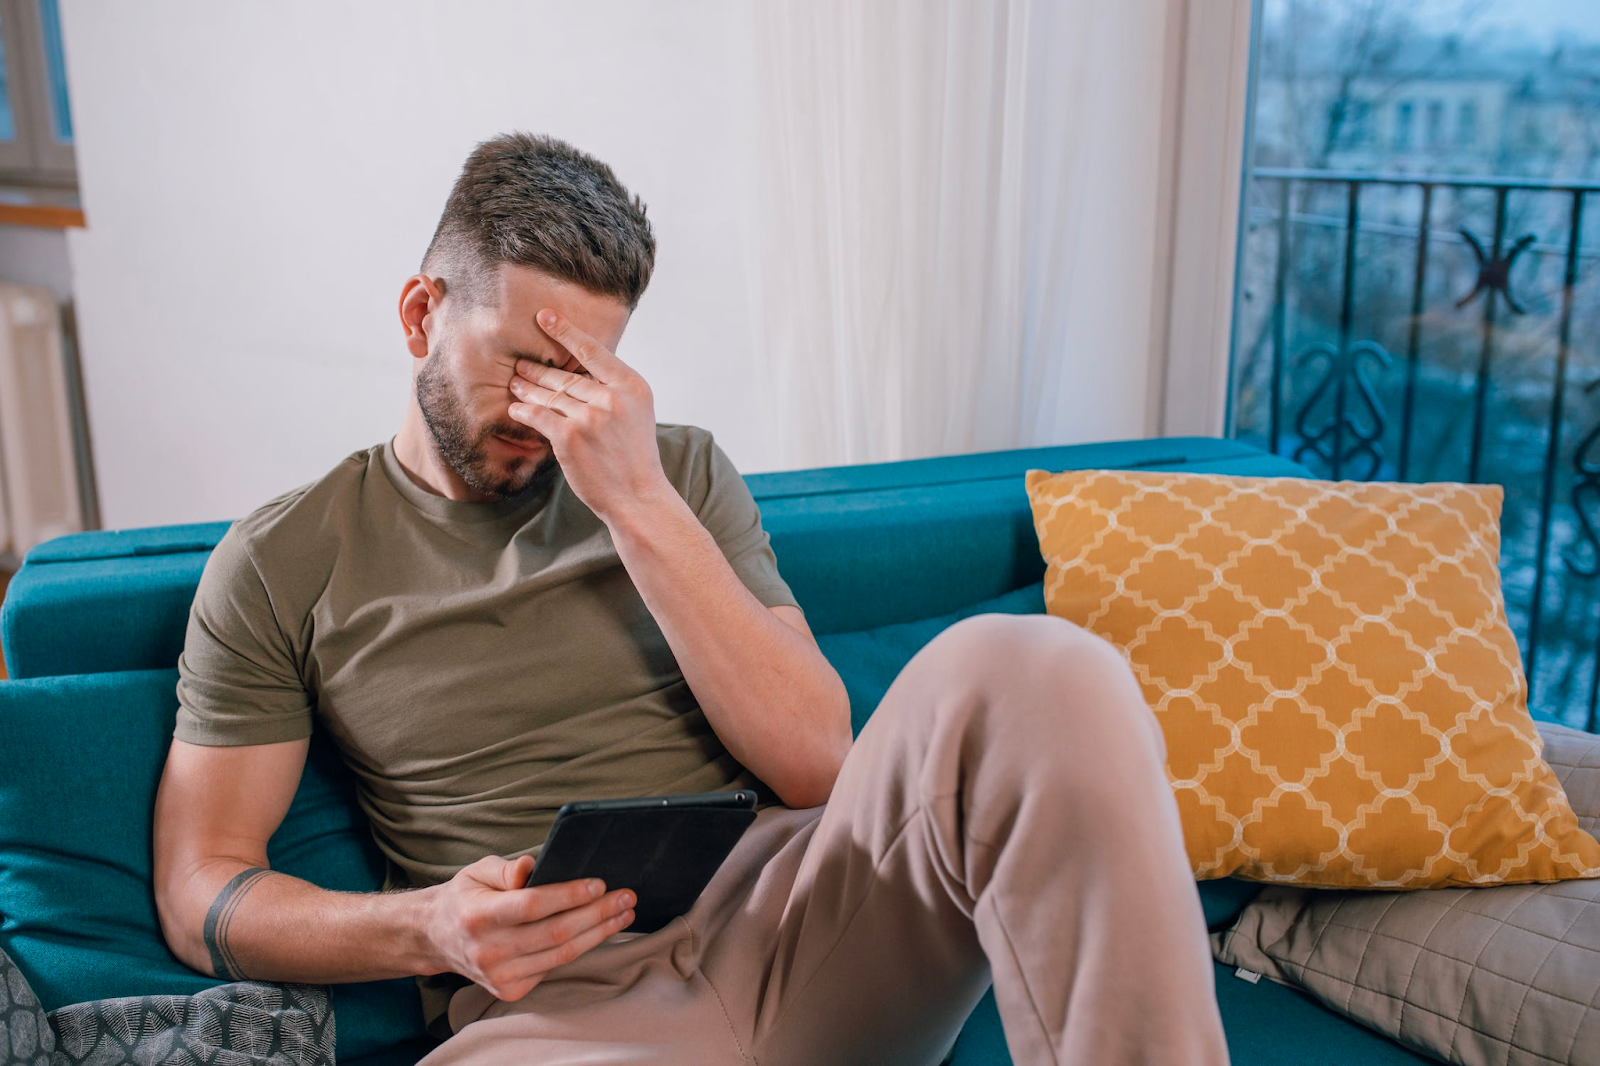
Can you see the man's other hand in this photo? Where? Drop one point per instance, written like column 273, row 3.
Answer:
column 487, row 926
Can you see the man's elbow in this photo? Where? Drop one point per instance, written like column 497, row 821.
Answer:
column 179, row 889
column 812, row 792
column 813, row 784
column 176, row 924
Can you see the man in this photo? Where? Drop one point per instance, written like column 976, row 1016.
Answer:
column 534, row 593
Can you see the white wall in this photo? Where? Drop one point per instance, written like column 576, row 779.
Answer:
column 259, row 179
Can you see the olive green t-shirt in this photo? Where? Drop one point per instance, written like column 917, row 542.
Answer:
column 477, row 665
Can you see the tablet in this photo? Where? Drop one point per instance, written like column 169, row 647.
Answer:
column 664, row 848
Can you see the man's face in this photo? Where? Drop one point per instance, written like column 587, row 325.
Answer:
column 463, row 386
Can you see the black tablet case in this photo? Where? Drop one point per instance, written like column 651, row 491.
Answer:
column 667, row 856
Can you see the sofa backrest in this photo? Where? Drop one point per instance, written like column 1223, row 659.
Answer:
column 861, row 546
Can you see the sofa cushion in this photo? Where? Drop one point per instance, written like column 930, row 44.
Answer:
column 1270, row 1025
column 869, row 659
column 1266, row 1025
column 84, row 756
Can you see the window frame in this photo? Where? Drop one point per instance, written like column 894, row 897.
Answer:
column 35, row 157
column 1206, row 148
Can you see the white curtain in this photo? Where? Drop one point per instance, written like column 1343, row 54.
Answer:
column 926, row 187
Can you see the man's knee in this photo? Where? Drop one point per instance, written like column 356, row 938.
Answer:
column 1055, row 677
column 1032, row 649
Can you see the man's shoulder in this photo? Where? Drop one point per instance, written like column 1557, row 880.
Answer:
column 680, row 437
column 699, row 469
column 298, row 519
column 686, row 454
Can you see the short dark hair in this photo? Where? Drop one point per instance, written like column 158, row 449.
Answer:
column 539, row 202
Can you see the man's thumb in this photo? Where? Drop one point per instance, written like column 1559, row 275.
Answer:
column 514, row 874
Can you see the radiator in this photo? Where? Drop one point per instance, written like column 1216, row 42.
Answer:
column 41, row 480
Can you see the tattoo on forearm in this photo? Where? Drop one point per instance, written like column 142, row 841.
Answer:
column 220, row 917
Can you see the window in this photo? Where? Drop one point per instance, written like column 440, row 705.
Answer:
column 1435, row 123
column 1360, row 122
column 1350, row 122
column 35, row 117
column 1467, row 124
column 1402, row 123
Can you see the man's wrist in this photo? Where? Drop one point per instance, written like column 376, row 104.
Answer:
column 412, row 909
column 647, row 513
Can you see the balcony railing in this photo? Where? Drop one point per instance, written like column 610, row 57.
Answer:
column 1486, row 289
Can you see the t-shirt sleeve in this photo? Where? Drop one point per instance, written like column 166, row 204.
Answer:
column 238, row 682
column 725, row 507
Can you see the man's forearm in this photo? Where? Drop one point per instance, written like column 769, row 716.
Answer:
column 244, row 922
column 774, row 700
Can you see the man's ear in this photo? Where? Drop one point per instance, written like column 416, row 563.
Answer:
column 420, row 298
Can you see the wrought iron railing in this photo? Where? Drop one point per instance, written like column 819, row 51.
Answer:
column 1331, row 384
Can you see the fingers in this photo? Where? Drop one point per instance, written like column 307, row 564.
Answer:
column 514, row 902
column 557, row 928
column 553, row 379
column 567, row 941
column 546, row 420
column 554, row 398
column 594, row 356
column 515, row 936
column 544, row 917
column 542, row 901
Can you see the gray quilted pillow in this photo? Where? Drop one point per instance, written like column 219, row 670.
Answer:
column 244, row 1023
column 1498, row 976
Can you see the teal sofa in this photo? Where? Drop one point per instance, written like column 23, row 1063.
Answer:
column 882, row 557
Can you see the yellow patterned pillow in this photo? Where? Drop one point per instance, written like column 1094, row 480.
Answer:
column 1342, row 699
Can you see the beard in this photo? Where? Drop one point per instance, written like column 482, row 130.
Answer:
column 463, row 446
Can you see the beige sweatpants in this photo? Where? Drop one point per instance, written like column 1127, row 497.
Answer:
column 1003, row 816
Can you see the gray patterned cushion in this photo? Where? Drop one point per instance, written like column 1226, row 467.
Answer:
column 244, row 1023
column 25, row 1036
column 1478, row 976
